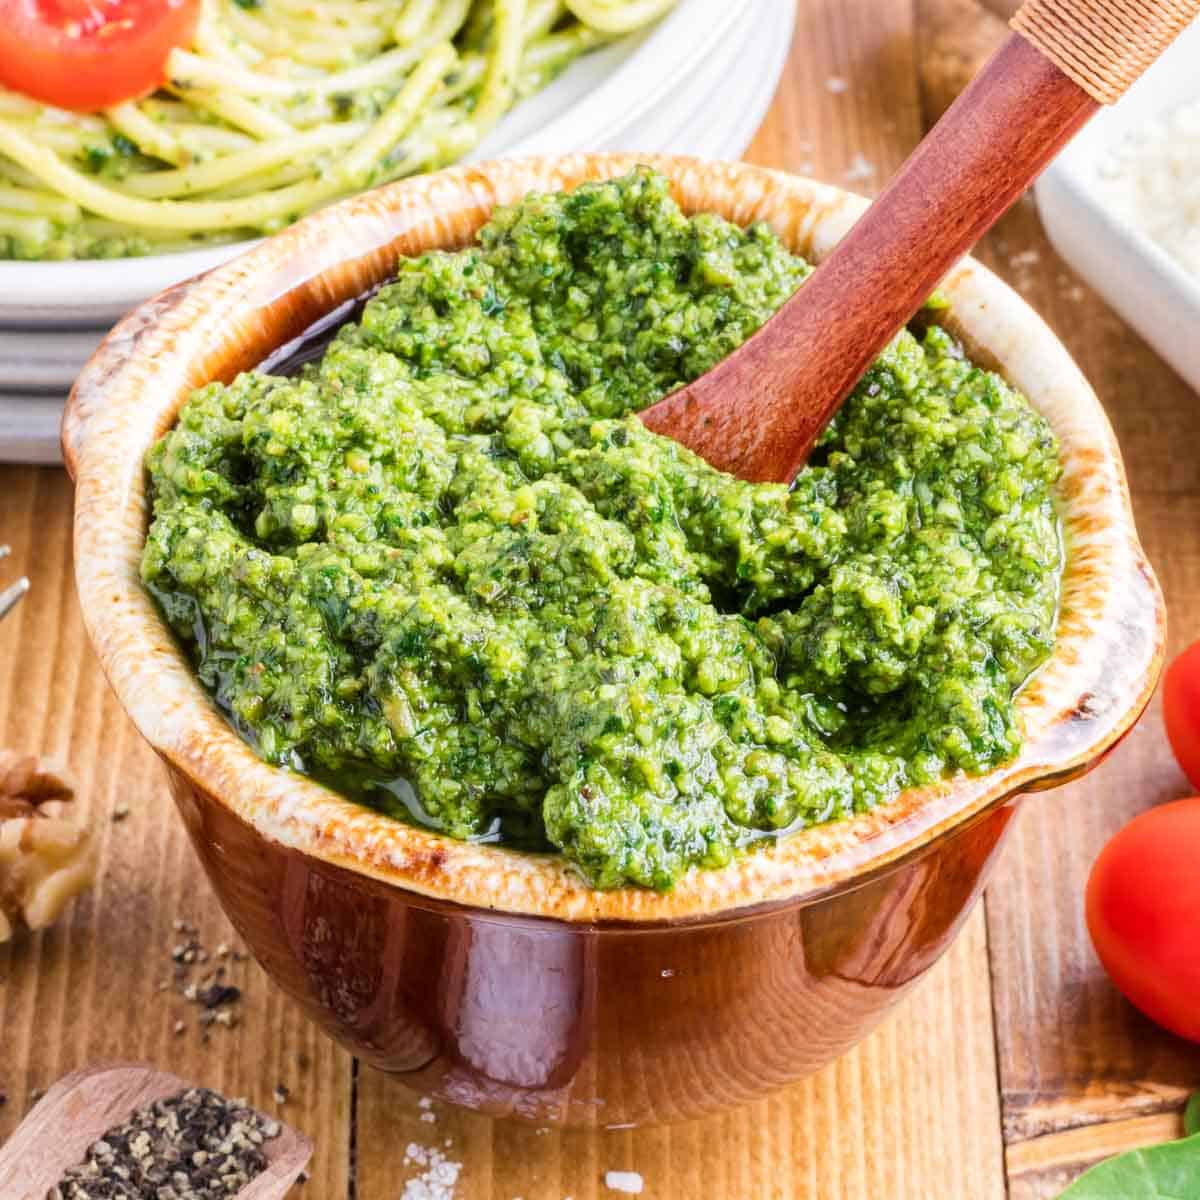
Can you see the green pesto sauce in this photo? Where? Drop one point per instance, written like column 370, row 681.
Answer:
column 447, row 571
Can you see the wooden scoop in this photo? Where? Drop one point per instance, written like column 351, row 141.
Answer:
column 758, row 413
column 81, row 1106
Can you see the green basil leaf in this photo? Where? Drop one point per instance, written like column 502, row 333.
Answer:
column 1191, row 1116
column 1167, row 1172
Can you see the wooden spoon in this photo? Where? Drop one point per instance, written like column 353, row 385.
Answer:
column 81, row 1106
column 758, row 413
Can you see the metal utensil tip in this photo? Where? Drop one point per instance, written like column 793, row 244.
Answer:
column 12, row 594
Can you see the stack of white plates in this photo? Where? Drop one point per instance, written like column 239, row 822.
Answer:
column 699, row 82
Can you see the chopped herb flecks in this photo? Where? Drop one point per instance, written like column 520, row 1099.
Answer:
column 448, row 571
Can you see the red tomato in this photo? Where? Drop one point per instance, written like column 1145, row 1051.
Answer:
column 1181, row 710
column 88, row 54
column 1142, row 903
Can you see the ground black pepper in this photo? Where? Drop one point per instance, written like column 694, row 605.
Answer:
column 217, row 994
column 203, row 982
column 196, row 1145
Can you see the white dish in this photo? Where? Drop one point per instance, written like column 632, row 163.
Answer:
column 730, row 95
column 29, row 428
column 590, row 106
column 37, row 360
column 713, row 114
column 1141, row 281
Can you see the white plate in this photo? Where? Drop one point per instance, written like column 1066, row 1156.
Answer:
column 714, row 114
column 600, row 95
column 38, row 360
column 1156, row 295
column 731, row 93
column 29, row 429
column 603, row 94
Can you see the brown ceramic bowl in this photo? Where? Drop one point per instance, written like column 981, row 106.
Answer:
column 499, row 980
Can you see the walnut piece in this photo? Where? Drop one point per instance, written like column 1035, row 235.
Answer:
column 45, row 858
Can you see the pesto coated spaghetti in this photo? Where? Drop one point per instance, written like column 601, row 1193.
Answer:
column 278, row 107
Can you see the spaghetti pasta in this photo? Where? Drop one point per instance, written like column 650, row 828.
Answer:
column 277, row 107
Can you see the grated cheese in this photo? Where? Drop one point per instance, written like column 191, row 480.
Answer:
column 1152, row 176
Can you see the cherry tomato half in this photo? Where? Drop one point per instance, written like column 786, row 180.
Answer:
column 1142, row 903
column 89, row 54
column 1181, row 710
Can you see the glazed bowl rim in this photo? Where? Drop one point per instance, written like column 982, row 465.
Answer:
column 1097, row 681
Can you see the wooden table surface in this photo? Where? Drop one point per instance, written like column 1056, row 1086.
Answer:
column 1009, row 1069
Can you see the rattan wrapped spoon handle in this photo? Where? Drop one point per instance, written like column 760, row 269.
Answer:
column 1103, row 45
column 758, row 413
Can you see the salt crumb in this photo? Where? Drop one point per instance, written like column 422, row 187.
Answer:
column 629, row 1182
column 1027, row 258
column 860, row 169
column 836, row 84
column 437, row 1181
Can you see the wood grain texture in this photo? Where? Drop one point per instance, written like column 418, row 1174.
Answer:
column 1072, row 1051
column 88, row 989
column 926, row 1076
column 1080, row 1072
column 1044, row 1166
column 954, row 40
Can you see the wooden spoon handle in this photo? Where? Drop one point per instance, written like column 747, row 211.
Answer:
column 994, row 140
column 759, row 412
